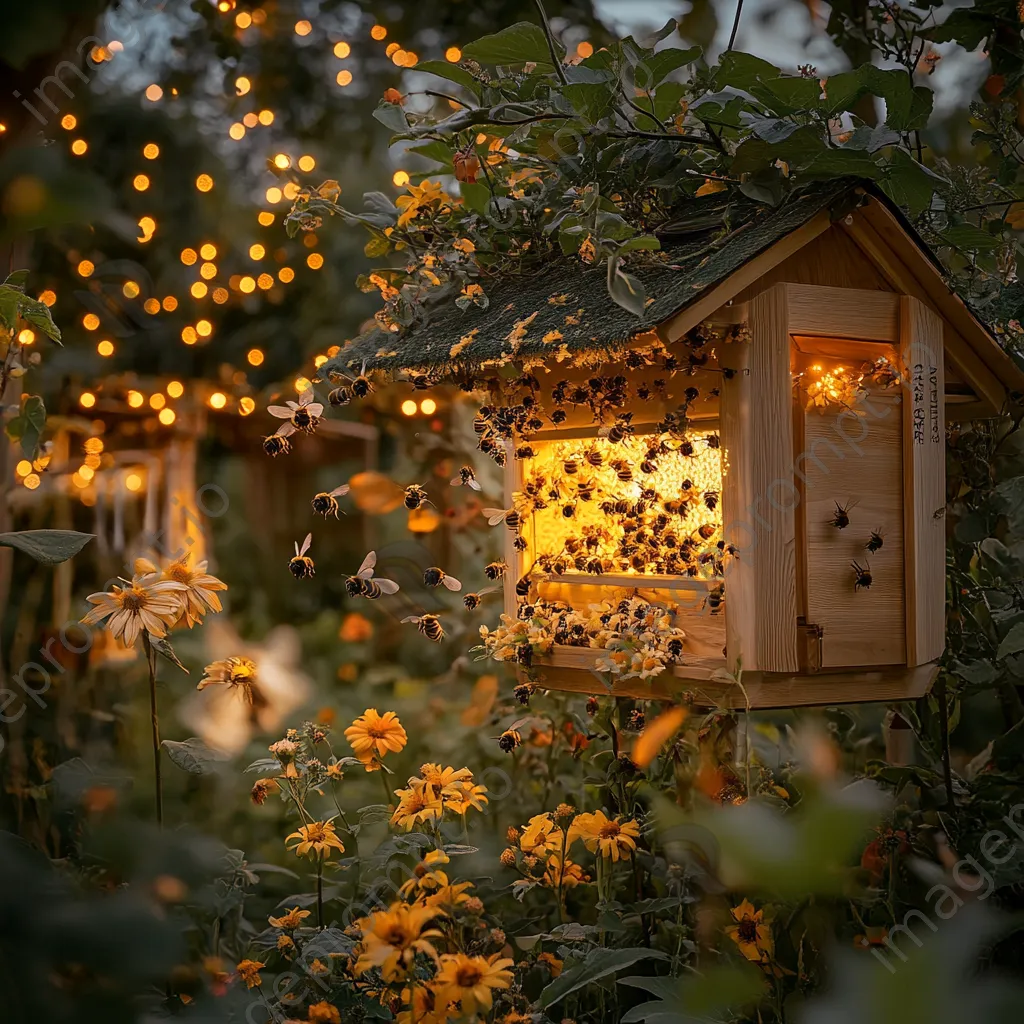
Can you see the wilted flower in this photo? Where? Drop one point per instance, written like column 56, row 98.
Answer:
column 249, row 972
column 262, row 788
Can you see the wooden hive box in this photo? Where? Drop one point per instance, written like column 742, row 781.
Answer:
column 830, row 355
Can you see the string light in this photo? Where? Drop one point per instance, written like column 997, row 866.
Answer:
column 302, row 384
column 342, row 50
column 69, row 122
column 188, row 335
column 344, row 78
column 92, row 445
column 265, row 281
column 220, row 296
column 255, row 357
column 257, row 252
column 314, row 261
column 242, row 85
column 133, row 482
column 32, row 481
column 151, row 151
column 26, row 336
column 86, row 473
column 135, row 399
column 585, row 50
column 85, row 268
column 428, row 407
column 170, row 303
column 250, row 120
column 204, row 328
column 90, row 321
column 208, row 271
column 286, row 275
column 189, row 256
column 140, row 182
column 453, row 54
column 246, row 405
column 266, row 218
column 86, row 399
column 198, row 290
column 266, row 117
column 218, row 400
column 306, row 162
column 282, row 161
column 23, row 468
column 79, row 147
column 243, row 20
column 151, row 306
column 378, row 32
column 204, row 183
column 130, row 289
column 409, row 407
column 401, row 178
column 105, row 348
column 208, row 251
column 175, row 388
column 148, row 227
column 154, row 93
column 247, row 284
column 48, row 297
column 167, row 416
column 303, row 28
column 237, row 131
column 291, row 190
column 274, row 194
column 157, row 401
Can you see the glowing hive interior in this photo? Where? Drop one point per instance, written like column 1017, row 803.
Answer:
column 672, row 542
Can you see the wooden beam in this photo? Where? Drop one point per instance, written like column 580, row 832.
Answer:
column 855, row 313
column 924, row 480
column 709, row 302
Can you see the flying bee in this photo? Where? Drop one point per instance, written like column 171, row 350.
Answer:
column 428, row 625
column 361, row 585
column 415, row 496
column 341, row 395
column 466, row 478
column 277, row 444
column 472, row 601
column 326, row 502
column 841, row 517
column 585, row 490
column 420, row 381
column 524, row 451
column 623, row 470
column 495, row 570
column 301, row 566
column 619, row 430
column 677, row 508
column 433, row 577
column 861, row 576
column 711, row 500
column 570, row 467
column 302, row 415
column 874, row 541
column 523, row 586
column 715, row 599
column 480, row 424
column 595, row 458
column 510, row 516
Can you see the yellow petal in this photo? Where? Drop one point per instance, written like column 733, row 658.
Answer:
column 656, row 735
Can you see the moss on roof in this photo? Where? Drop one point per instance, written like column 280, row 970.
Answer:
column 568, row 304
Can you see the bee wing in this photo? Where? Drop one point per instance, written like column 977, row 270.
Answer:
column 451, row 583
column 456, row 481
column 294, row 406
column 304, row 399
column 495, row 515
column 366, row 569
column 315, row 408
column 487, row 590
column 285, row 430
column 411, row 618
column 387, row 586
column 282, row 412
column 305, row 544
column 475, row 484
column 339, row 491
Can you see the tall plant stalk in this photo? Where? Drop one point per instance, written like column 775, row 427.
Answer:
column 155, row 723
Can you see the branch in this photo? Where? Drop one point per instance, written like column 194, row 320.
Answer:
column 735, row 25
column 559, row 70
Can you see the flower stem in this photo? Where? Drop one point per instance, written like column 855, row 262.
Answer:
column 387, row 790
column 320, row 892
column 155, row 721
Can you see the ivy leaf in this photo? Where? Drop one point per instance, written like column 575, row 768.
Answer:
column 599, row 963
column 521, row 43
column 193, row 755
column 50, row 547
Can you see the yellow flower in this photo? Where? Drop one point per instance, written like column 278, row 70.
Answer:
column 145, row 603
column 232, row 672
column 373, row 733
column 464, row 245
column 249, row 972
column 607, row 836
column 462, row 796
column 392, row 938
column 424, row 1008
column 541, row 834
column 285, row 943
column 442, row 778
column 420, row 802
column 290, row 920
column 710, row 186
column 200, row 586
column 355, row 628
column 471, row 981
column 450, row 895
column 323, row 1013
column 571, row 874
column 656, row 735
column 751, row 933
column 420, row 197
column 317, row 838
column 554, row 965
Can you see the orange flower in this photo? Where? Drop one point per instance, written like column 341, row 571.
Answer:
column 394, row 96
column 471, row 981
column 372, row 733
column 751, row 932
column 355, row 628
column 604, row 835
column 656, row 735
column 249, row 972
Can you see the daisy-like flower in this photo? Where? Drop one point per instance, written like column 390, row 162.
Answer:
column 604, row 835
column 454, row 894
column 323, row 1013
column 471, row 981
column 317, row 838
column 421, row 1007
column 427, row 876
column 541, row 834
column 465, row 795
column 441, row 778
column 144, row 604
column 200, row 587
column 235, row 672
column 392, row 938
column 293, row 919
column 419, row 803
column 249, row 972
column 751, row 932
column 373, row 734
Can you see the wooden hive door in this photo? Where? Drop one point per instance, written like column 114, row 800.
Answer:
column 849, row 463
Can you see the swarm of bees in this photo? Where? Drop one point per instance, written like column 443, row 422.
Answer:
column 434, row 577
column 303, row 415
column 326, row 502
column 429, row 625
column 364, row 585
column 301, row 566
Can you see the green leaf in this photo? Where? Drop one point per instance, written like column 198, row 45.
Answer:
column 193, row 755
column 652, row 72
column 452, row 72
column 772, row 129
column 376, row 247
column 38, row 315
column 9, row 298
column 598, row 964
column 836, row 163
column 1012, row 643
column 625, row 289
column 50, row 547
column 477, row 197
column 590, row 101
column 392, row 116
column 163, row 647
column 970, row 237
column 743, row 71
column 17, row 279
column 790, row 94
column 716, row 993
column 521, row 43
column 910, row 184
column 32, row 421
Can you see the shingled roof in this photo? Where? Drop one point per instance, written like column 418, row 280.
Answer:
column 565, row 297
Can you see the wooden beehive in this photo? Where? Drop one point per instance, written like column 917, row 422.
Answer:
column 817, row 295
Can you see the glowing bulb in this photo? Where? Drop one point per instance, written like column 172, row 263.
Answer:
column 90, row 321
column 105, row 348
column 130, row 289
column 282, row 161
column 170, row 303
column 342, row 50
column 175, row 388
column 344, row 78
column 220, row 296
column 257, row 252
column 79, row 147
column 255, row 357
column 150, row 150
column 153, row 93
column 242, row 85
column 303, row 28
column 237, row 131
column 133, row 482
column 585, row 50
column 26, row 336
column 428, row 407
column 208, row 271
column 69, row 122
column 314, row 261
column 302, row 384
column 86, row 473
column 453, row 54
column 266, row 218
column 85, row 268
column 32, row 481
column 157, row 401
column 378, row 32
column 266, row 117
column 218, row 400
column 204, row 328
column 409, row 407
column 140, row 182
column 274, row 194
column 151, row 306
column 86, row 399
column 167, row 416
column 286, row 275
column 204, row 183
column 246, row 405
column 48, row 297
column 189, row 336
column 306, row 162
column 198, row 290
column 189, row 256
column 208, row 251
column 400, row 178
column 247, row 284
column 23, row 468
column 135, row 399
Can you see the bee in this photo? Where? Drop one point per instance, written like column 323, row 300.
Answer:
column 361, row 386
column 433, row 577
column 585, row 490
column 341, row 395
column 874, row 541
column 595, row 458
column 465, row 478
column 509, row 740
column 428, row 625
column 595, row 567
column 568, row 511
column 523, row 587
column 677, row 508
column 361, row 585
column 302, row 415
column 558, row 417
column 277, row 444
column 711, row 500
column 420, row 381
column 623, row 470
column 472, row 601
column 715, row 599
column 713, row 441
column 841, row 517
column 495, row 570
column 524, row 451
column 480, row 424
column 511, row 517
column 301, row 566
column 686, row 448
column 415, row 496
column 571, row 467
column 861, row 576
column 675, row 648
column 325, row 503
column 619, row 430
